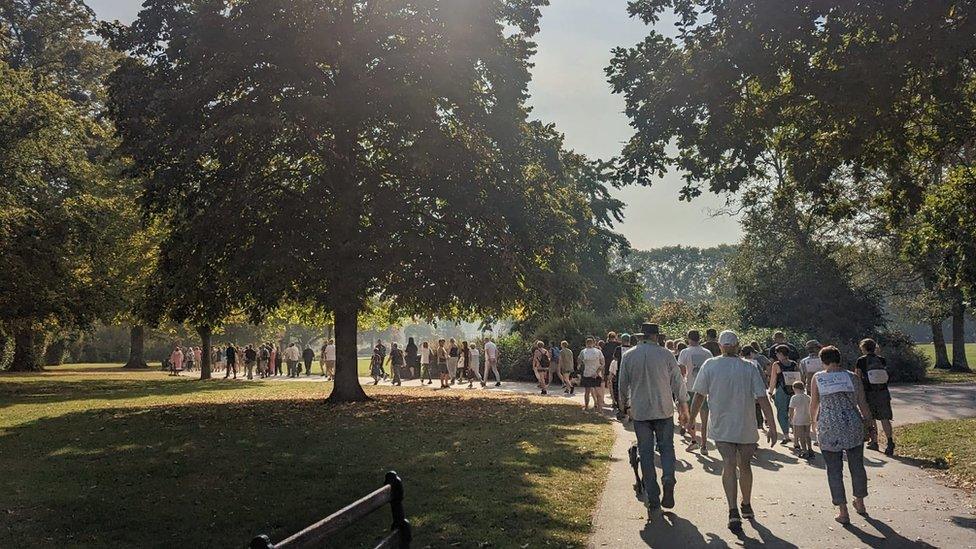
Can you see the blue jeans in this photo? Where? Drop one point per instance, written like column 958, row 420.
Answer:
column 782, row 401
column 660, row 433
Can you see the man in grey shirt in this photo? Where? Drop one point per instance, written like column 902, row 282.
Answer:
column 733, row 387
column 649, row 381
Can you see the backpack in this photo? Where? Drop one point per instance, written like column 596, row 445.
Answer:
column 543, row 360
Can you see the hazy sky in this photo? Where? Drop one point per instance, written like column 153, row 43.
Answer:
column 569, row 88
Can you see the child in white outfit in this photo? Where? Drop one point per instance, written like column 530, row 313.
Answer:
column 800, row 419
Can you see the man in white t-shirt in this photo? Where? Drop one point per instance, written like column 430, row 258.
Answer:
column 491, row 361
column 811, row 363
column 732, row 387
column 690, row 359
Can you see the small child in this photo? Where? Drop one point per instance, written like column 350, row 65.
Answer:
column 376, row 367
column 800, row 419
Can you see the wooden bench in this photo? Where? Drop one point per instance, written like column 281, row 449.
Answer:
column 318, row 533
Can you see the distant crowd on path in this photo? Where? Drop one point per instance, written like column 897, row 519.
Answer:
column 265, row 360
column 734, row 389
column 447, row 359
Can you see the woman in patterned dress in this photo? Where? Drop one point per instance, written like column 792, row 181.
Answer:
column 839, row 410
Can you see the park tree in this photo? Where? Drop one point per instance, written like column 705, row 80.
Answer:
column 53, row 198
column 678, row 272
column 341, row 151
column 742, row 78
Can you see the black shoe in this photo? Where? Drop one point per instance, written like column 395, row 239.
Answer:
column 890, row 448
column 735, row 521
column 667, row 500
column 873, row 446
column 498, row 384
column 747, row 512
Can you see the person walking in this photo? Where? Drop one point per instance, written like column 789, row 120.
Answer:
column 188, row 359
column 453, row 356
column 330, row 360
column 591, row 372
column 873, row 372
column 690, row 360
column 800, row 419
column 779, row 338
column 376, row 365
column 308, row 355
column 732, row 387
column 565, row 367
column 782, row 374
column 176, row 361
column 250, row 358
column 425, row 355
column 413, row 359
column 292, row 358
column 540, row 365
column 264, row 356
column 381, row 349
column 491, row 361
column 839, row 410
column 231, row 361
column 649, row 377
column 322, row 368
column 711, row 342
column 470, row 368
column 397, row 363
column 811, row 363
column 279, row 358
column 625, row 343
column 441, row 357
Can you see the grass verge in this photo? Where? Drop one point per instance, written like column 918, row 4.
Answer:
column 102, row 457
column 945, row 376
column 947, row 444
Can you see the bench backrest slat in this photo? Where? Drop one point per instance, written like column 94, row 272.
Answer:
column 314, row 535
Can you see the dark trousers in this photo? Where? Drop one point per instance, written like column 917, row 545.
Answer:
column 277, row 368
column 835, row 473
column 231, row 367
column 308, row 367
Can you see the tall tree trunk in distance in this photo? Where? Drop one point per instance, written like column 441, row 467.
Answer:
column 137, row 348
column 205, row 344
column 938, row 341
column 26, row 357
column 346, row 387
column 959, row 362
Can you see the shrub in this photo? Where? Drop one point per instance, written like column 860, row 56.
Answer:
column 905, row 362
column 515, row 357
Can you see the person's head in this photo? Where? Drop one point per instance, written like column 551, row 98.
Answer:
column 782, row 353
column 747, row 351
column 540, row 344
column 464, row 345
column 669, row 344
column 728, row 341
column 331, row 342
column 589, row 342
column 694, row 337
column 711, row 334
column 868, row 346
column 453, row 342
column 611, row 336
column 393, row 346
column 798, row 387
column 425, row 345
column 625, row 340
column 681, row 346
column 779, row 337
column 755, row 345
column 564, row 344
column 441, row 342
column 601, row 343
column 487, row 338
column 410, row 341
column 379, row 341
column 813, row 347
column 830, row 356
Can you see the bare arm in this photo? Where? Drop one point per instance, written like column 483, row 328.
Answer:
column 767, row 411
column 862, row 400
column 814, row 405
column 773, row 372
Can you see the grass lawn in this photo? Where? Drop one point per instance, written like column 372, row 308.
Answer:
column 945, row 376
column 98, row 456
column 945, row 444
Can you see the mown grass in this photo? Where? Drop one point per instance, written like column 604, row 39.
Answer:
column 945, row 444
column 934, row 375
column 100, row 457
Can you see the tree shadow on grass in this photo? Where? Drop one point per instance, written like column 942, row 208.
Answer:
column 502, row 471
column 49, row 391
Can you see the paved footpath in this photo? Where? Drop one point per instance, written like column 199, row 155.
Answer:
column 909, row 507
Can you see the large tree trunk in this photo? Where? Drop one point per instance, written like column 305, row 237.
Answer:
column 959, row 362
column 205, row 344
column 938, row 341
column 137, row 348
column 346, row 387
column 26, row 355
column 55, row 352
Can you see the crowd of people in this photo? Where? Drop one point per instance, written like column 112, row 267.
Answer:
column 452, row 362
column 730, row 393
column 264, row 360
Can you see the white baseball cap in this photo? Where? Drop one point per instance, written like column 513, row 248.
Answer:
column 728, row 337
